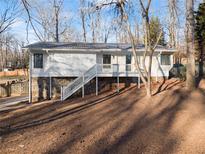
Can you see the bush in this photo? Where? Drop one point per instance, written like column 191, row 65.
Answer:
column 179, row 71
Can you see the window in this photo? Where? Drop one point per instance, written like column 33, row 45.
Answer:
column 128, row 59
column 106, row 61
column 128, row 62
column 165, row 60
column 38, row 60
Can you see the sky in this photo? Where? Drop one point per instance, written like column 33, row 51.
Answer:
column 158, row 8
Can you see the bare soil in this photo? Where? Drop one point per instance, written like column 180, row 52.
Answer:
column 172, row 121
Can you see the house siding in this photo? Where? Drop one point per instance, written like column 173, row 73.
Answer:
column 62, row 64
column 158, row 70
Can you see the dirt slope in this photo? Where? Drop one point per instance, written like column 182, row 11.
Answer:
column 172, row 121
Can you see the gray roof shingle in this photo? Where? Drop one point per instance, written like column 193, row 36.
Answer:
column 81, row 45
column 78, row 45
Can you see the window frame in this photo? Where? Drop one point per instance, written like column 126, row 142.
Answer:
column 105, row 64
column 165, row 63
column 128, row 57
column 35, row 61
column 128, row 61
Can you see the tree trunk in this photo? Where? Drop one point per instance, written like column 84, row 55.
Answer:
column 201, row 60
column 93, row 29
column 57, row 38
column 149, row 81
column 148, row 89
column 6, row 52
column 84, row 30
column 173, row 15
column 190, row 75
column 83, row 18
column 56, row 21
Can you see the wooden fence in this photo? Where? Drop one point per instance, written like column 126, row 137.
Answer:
column 14, row 89
column 18, row 72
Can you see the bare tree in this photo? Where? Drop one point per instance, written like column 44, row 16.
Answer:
column 94, row 27
column 57, row 8
column 10, row 52
column 150, row 46
column 93, row 18
column 137, row 33
column 47, row 20
column 1, row 55
column 8, row 14
column 27, row 7
column 106, row 30
column 190, row 81
column 99, row 28
column 83, row 15
column 173, row 18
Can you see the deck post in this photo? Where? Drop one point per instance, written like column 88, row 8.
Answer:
column 83, row 88
column 61, row 93
column 118, row 79
column 96, row 80
column 138, row 81
column 50, row 87
column 30, row 77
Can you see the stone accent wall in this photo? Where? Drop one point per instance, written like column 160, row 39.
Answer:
column 40, row 89
column 14, row 89
column 57, row 83
column 41, row 86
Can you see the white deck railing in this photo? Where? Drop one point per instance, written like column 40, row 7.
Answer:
column 113, row 69
column 78, row 83
column 96, row 70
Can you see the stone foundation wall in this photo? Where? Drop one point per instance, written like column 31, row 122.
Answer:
column 41, row 86
column 14, row 89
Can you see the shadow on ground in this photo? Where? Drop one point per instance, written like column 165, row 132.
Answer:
column 112, row 123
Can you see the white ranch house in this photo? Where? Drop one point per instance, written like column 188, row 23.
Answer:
column 78, row 63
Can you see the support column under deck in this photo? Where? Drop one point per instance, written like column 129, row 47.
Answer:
column 118, row 79
column 96, row 85
column 83, row 87
column 118, row 83
column 50, row 87
column 30, row 77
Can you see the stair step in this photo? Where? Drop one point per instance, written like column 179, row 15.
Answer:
column 71, row 88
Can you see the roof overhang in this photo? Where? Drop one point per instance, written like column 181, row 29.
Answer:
column 95, row 51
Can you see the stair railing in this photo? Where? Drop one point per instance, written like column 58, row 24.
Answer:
column 79, row 82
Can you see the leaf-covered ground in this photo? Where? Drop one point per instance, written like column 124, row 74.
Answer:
column 172, row 121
